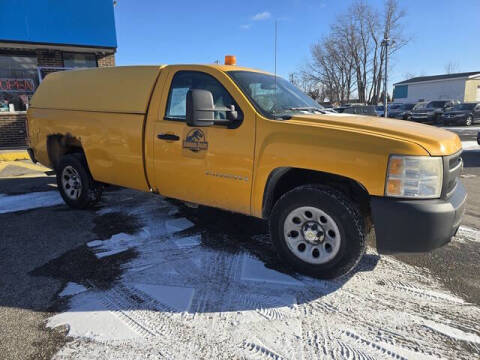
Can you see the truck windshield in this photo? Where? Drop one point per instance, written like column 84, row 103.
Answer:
column 420, row 106
column 436, row 104
column 464, row 106
column 274, row 99
column 407, row 106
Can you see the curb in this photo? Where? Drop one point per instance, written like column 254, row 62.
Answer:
column 14, row 155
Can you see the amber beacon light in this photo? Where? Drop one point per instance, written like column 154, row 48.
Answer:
column 230, row 60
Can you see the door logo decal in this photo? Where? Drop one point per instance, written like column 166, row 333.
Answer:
column 195, row 140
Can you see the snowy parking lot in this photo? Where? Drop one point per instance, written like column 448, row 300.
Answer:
column 141, row 276
column 190, row 291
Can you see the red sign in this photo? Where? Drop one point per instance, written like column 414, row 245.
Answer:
column 17, row 85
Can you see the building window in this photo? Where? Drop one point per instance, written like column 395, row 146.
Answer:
column 79, row 60
column 18, row 81
column 400, row 92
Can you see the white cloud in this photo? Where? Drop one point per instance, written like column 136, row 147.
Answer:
column 246, row 26
column 261, row 16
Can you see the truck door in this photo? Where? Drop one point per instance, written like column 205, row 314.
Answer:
column 477, row 112
column 206, row 165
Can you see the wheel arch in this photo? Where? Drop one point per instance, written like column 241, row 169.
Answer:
column 284, row 179
column 59, row 145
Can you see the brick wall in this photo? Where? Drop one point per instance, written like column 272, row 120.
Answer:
column 13, row 130
column 106, row 60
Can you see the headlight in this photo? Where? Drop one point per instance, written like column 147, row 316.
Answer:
column 414, row 177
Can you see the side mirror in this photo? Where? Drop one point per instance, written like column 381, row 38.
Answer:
column 201, row 110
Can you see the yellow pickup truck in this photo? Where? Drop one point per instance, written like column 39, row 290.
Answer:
column 250, row 142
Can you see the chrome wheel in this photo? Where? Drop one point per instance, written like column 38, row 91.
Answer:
column 312, row 235
column 71, row 182
column 469, row 121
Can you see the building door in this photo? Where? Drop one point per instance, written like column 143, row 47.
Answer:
column 478, row 93
column 207, row 165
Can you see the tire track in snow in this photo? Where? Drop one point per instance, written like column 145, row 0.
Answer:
column 393, row 311
column 257, row 351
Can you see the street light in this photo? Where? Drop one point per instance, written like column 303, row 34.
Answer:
column 385, row 43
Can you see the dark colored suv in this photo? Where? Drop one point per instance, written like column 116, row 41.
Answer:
column 402, row 112
column 433, row 111
column 464, row 114
column 369, row 110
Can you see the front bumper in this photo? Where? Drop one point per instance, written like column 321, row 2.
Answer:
column 414, row 226
column 423, row 118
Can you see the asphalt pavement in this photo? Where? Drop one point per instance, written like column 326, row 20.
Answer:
column 41, row 249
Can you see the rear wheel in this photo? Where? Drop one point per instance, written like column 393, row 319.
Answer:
column 76, row 185
column 318, row 230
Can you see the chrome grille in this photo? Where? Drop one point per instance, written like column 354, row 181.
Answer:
column 452, row 167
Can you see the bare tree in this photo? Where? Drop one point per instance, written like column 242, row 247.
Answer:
column 331, row 69
column 451, row 68
column 350, row 58
column 308, row 85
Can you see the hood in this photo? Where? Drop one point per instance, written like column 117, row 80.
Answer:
column 424, row 110
column 436, row 141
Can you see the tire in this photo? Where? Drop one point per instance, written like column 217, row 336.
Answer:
column 469, row 120
column 76, row 185
column 330, row 237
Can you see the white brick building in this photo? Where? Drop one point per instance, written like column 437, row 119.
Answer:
column 464, row 87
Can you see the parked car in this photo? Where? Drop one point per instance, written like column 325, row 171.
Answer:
column 380, row 110
column 249, row 142
column 433, row 111
column 341, row 109
column 402, row 112
column 465, row 114
column 369, row 110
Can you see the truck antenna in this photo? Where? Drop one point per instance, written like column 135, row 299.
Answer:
column 275, row 61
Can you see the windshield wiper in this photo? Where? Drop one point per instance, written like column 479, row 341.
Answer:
column 307, row 108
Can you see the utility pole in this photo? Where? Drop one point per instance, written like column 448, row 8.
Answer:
column 275, row 50
column 385, row 43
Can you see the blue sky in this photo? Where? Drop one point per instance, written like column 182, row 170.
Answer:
column 172, row 32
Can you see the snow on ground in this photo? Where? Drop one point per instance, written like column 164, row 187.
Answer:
column 180, row 298
column 466, row 233
column 72, row 289
column 29, row 201
column 470, row 145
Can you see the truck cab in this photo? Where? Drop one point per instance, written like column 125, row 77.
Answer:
column 250, row 142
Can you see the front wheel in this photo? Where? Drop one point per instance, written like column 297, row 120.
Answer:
column 318, row 230
column 76, row 185
column 469, row 120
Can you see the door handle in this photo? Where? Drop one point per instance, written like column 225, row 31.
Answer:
column 170, row 137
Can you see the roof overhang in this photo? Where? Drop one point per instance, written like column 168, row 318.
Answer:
column 439, row 80
column 63, row 47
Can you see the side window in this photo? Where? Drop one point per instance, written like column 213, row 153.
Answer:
column 186, row 80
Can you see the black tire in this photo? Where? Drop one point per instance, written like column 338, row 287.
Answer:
column 340, row 209
column 74, row 166
column 469, row 120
